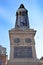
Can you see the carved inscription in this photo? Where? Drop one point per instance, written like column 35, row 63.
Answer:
column 22, row 52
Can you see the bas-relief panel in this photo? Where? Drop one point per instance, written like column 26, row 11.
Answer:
column 22, row 52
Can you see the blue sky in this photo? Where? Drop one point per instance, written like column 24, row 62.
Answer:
column 8, row 10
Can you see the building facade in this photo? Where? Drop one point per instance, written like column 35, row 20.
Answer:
column 3, row 56
column 22, row 42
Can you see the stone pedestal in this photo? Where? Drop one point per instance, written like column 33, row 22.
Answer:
column 24, row 62
column 22, row 35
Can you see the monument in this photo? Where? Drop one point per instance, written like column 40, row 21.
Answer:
column 22, row 42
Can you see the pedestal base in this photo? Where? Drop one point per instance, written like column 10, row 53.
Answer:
column 23, row 62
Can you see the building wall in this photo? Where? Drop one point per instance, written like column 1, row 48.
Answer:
column 3, row 55
column 3, row 59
